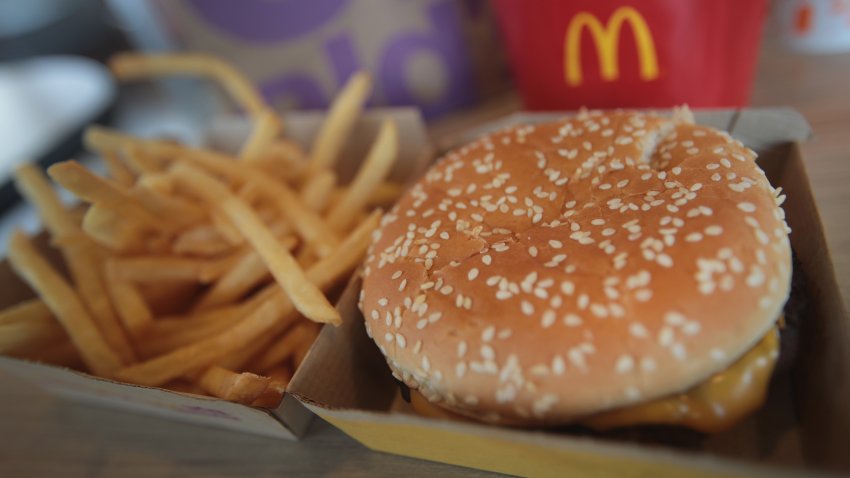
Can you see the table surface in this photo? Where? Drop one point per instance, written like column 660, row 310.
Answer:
column 42, row 435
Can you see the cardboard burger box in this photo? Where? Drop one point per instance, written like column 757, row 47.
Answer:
column 290, row 419
column 803, row 426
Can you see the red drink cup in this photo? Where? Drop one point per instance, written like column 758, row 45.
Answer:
column 637, row 53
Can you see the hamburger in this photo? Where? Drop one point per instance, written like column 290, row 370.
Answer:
column 608, row 269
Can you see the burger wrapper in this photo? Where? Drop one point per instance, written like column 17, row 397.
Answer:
column 290, row 419
column 803, row 426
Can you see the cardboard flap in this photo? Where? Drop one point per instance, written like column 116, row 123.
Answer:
column 360, row 379
column 823, row 369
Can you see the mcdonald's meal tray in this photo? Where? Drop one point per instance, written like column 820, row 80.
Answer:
column 600, row 294
column 193, row 281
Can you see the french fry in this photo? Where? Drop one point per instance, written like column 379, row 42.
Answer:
column 272, row 395
column 310, row 226
column 158, row 181
column 226, row 229
column 156, row 344
column 339, row 122
column 285, row 160
column 36, row 189
column 62, row 353
column 385, row 194
column 139, row 161
column 103, row 192
column 97, row 136
column 308, row 299
column 286, row 347
column 65, row 304
column 249, row 193
column 80, row 254
column 233, row 312
column 30, row 310
column 237, row 387
column 205, row 352
column 289, row 151
column 167, row 268
column 118, row 171
column 108, row 229
column 201, row 240
column 179, row 211
column 266, row 127
column 270, row 318
column 129, row 66
column 168, row 297
column 249, row 272
column 375, row 168
column 317, row 193
column 130, row 306
column 28, row 326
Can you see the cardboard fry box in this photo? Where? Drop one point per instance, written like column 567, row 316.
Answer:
column 803, row 426
column 290, row 419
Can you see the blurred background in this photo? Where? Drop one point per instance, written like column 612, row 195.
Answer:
column 459, row 61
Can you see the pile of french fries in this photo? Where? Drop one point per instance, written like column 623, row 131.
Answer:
column 192, row 269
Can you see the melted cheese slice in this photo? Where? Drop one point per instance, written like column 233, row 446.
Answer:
column 712, row 406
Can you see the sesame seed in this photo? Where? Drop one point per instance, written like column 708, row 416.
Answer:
column 487, row 352
column 532, row 251
column 756, row 277
column 583, row 301
column 665, row 336
column 572, row 320
column 460, row 369
column 714, row 230
column 638, row 330
column 396, row 275
column 548, row 318
column 624, row 364
column 486, row 259
column 400, row 340
column 599, row 310
column 693, row 237
column 647, row 364
column 402, row 285
column 488, row 333
column 473, row 273
column 746, row 206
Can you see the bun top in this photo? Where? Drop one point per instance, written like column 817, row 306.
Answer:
column 547, row 272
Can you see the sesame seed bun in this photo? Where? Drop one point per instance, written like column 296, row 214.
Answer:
column 549, row 272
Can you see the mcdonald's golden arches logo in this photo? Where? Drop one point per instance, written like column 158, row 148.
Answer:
column 607, row 40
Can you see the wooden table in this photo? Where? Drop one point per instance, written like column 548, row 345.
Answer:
column 44, row 436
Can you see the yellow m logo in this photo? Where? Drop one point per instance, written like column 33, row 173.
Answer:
column 607, row 40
